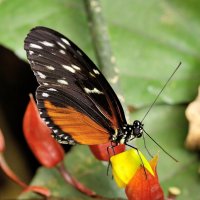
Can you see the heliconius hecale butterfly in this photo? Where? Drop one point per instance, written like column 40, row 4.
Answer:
column 74, row 98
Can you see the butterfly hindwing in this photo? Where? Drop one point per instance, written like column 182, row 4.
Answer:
column 74, row 98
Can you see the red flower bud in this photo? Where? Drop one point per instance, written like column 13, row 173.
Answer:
column 48, row 152
column 101, row 151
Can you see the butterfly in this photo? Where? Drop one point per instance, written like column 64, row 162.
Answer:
column 74, row 98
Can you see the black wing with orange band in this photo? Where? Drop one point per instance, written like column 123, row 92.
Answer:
column 74, row 98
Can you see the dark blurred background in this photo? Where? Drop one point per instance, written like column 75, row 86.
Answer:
column 16, row 82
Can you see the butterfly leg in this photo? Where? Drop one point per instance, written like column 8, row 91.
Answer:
column 113, row 151
column 139, row 156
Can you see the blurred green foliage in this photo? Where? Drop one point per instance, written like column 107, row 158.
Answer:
column 149, row 39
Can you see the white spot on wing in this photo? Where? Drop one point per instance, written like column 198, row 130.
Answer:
column 76, row 67
column 95, row 90
column 47, row 44
column 91, row 74
column 79, row 52
column 96, row 71
column 41, row 75
column 65, row 41
column 52, row 89
column 50, row 67
column 69, row 68
column 35, row 46
column 62, row 82
column 31, row 52
column 44, row 94
column 45, row 84
column 62, row 51
column 62, row 45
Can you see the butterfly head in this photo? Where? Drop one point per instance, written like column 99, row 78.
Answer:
column 129, row 132
column 137, row 129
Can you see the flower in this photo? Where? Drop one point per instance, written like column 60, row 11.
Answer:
column 133, row 172
column 38, row 136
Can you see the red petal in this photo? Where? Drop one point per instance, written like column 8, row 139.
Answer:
column 145, row 188
column 2, row 142
column 38, row 136
column 101, row 153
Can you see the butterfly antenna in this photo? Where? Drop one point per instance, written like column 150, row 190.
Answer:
column 161, row 91
column 160, row 147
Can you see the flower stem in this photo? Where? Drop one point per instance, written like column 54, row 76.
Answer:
column 42, row 191
column 75, row 183
column 6, row 169
column 101, row 41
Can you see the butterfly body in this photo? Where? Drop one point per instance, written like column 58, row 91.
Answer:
column 74, row 98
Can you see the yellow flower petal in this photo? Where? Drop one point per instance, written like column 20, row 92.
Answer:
column 125, row 165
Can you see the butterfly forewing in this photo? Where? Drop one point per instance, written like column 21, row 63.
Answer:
column 74, row 98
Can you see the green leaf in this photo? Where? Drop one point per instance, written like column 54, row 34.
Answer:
column 149, row 39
